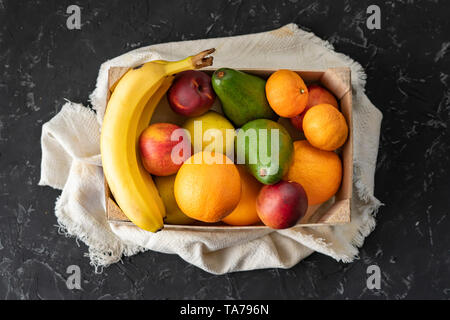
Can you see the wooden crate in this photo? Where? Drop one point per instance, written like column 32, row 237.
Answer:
column 335, row 211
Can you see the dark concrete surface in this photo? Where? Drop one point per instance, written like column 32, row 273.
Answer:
column 407, row 63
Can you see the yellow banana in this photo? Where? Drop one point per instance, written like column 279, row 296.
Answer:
column 147, row 114
column 143, row 123
column 125, row 117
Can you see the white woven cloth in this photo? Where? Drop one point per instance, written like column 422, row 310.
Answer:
column 71, row 162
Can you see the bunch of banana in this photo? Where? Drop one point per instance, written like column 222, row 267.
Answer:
column 128, row 113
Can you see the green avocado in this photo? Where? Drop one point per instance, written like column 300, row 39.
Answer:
column 243, row 96
column 266, row 148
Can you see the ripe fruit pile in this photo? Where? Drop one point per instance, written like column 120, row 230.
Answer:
column 206, row 170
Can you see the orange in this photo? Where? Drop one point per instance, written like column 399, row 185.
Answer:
column 287, row 93
column 205, row 190
column 245, row 213
column 325, row 127
column 318, row 171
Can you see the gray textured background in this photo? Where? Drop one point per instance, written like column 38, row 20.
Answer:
column 407, row 64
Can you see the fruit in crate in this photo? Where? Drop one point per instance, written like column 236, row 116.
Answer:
column 325, row 127
column 266, row 149
column 242, row 96
column 219, row 131
column 282, row 204
column 191, row 93
column 130, row 106
column 316, row 95
column 174, row 215
column 318, row 171
column 245, row 213
column 157, row 148
column 208, row 187
column 287, row 93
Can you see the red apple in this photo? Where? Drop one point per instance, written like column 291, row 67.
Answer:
column 191, row 94
column 281, row 205
column 316, row 95
column 156, row 146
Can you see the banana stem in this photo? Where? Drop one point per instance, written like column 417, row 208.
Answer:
column 200, row 60
column 197, row 61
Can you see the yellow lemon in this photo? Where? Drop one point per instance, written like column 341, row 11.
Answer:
column 211, row 132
